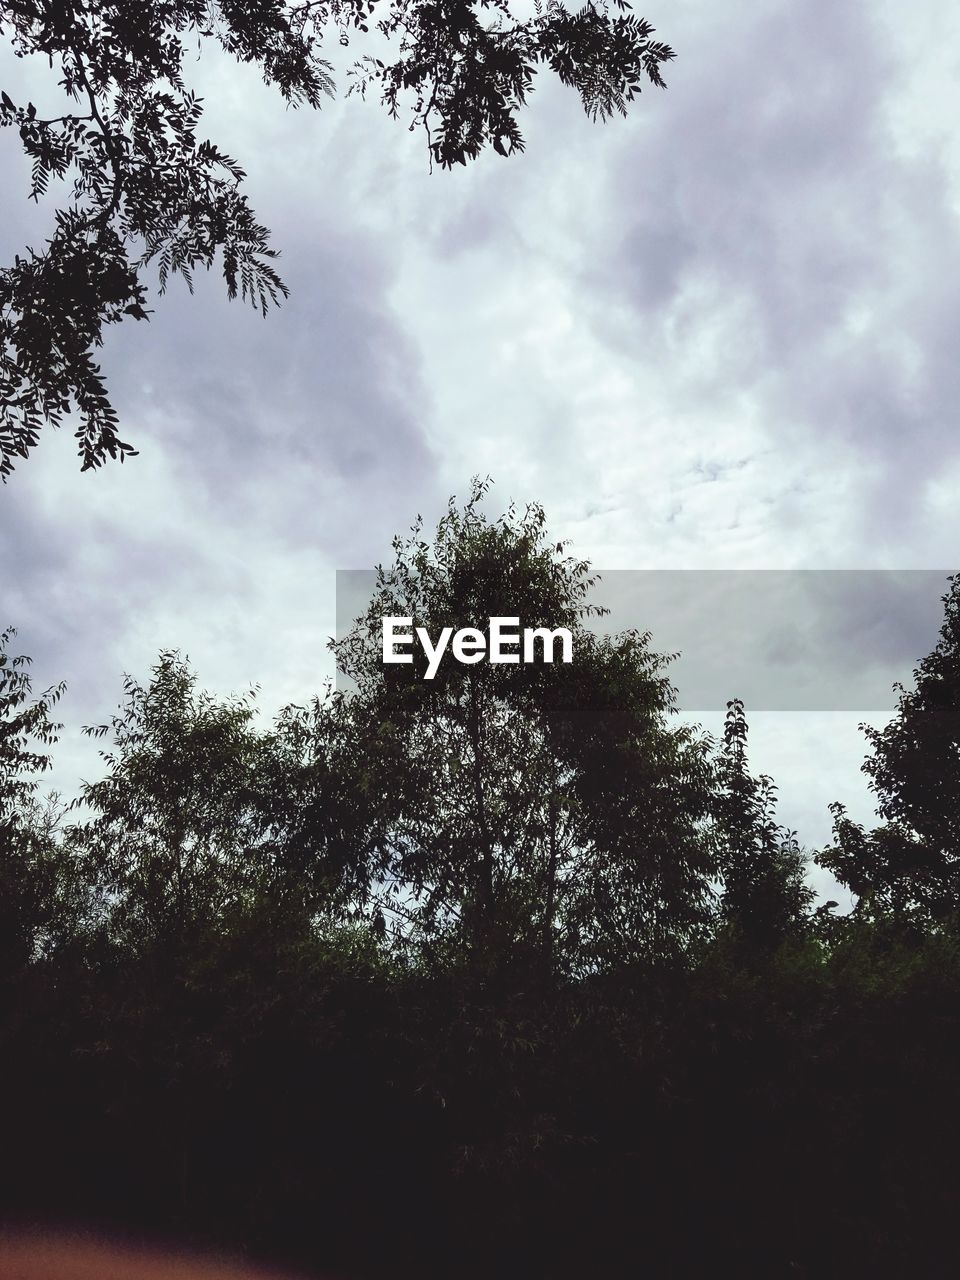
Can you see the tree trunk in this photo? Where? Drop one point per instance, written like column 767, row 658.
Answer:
column 483, row 830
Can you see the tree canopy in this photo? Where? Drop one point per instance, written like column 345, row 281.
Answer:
column 31, row 875
column 146, row 192
column 505, row 972
column 552, row 806
column 911, row 863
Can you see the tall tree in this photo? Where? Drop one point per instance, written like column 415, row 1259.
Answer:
column 765, row 897
column 911, row 862
column 546, row 810
column 175, row 833
column 147, row 190
column 32, row 884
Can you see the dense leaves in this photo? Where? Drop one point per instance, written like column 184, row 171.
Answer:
column 553, row 801
column 911, row 864
column 32, row 879
column 765, row 899
column 145, row 190
column 503, row 973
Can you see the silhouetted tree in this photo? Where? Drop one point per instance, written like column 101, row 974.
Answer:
column 24, row 726
column 32, row 886
column 323, row 821
column 176, row 835
column 544, row 808
column 207, row 827
column 765, row 897
column 911, row 862
column 146, row 190
column 238, row 1056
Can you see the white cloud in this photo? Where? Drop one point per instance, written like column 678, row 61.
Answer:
column 718, row 334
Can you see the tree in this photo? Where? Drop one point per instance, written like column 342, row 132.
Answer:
column 765, row 898
column 911, row 862
column 146, row 190
column 206, row 827
column 541, row 811
column 176, row 837
column 31, row 881
column 322, row 824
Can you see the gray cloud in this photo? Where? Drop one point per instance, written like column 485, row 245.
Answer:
column 769, row 199
column 717, row 335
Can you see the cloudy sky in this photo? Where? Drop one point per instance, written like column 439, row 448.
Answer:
column 718, row 335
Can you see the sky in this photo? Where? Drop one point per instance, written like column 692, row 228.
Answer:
column 717, row 335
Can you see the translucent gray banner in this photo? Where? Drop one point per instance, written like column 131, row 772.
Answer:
column 782, row 640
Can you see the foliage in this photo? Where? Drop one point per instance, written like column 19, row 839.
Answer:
column 31, row 885
column 911, row 863
column 765, row 897
column 176, row 834
column 301, row 991
column 546, row 809
column 23, row 727
column 145, row 189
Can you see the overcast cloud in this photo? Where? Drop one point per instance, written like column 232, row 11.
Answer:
column 717, row 335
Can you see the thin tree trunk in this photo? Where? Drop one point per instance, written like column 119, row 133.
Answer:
column 486, row 844
column 552, row 859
